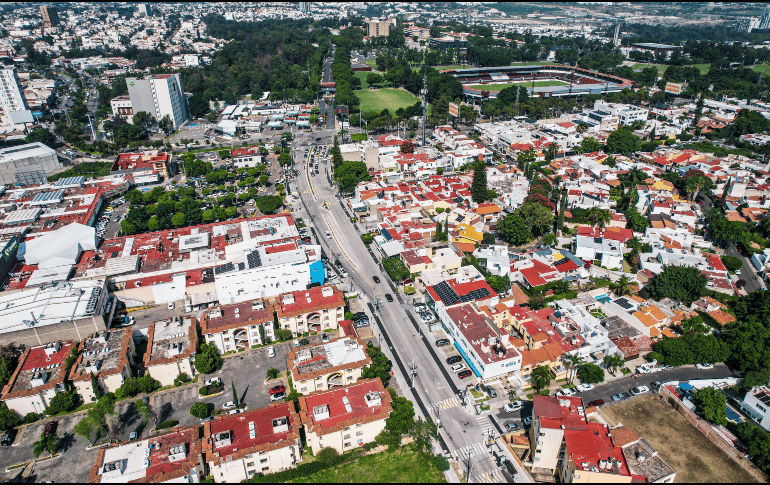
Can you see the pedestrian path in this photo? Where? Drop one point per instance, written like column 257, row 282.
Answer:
column 449, row 403
column 493, row 476
column 479, row 455
column 461, row 454
column 485, row 424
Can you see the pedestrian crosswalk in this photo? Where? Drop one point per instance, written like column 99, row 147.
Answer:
column 449, row 403
column 493, row 476
column 461, row 454
column 488, row 473
column 485, row 424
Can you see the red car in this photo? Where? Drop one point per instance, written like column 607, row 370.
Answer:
column 463, row 374
column 277, row 389
column 596, row 403
column 50, row 428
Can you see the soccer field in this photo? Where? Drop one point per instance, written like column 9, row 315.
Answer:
column 499, row 87
column 392, row 99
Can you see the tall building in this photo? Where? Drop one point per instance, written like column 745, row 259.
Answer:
column 11, row 94
column 141, row 9
column 50, row 16
column 378, row 28
column 159, row 95
column 764, row 21
column 304, row 7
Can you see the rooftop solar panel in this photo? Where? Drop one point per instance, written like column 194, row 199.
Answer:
column 254, row 259
column 225, row 268
column 624, row 303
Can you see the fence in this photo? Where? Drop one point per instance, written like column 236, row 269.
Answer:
column 713, row 434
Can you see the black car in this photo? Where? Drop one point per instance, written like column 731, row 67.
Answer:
column 376, row 279
column 454, row 359
column 8, row 437
column 388, row 297
column 359, row 315
column 442, row 342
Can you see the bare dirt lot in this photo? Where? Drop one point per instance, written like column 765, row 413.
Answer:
column 691, row 454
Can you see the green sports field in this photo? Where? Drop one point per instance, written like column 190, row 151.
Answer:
column 499, row 87
column 378, row 100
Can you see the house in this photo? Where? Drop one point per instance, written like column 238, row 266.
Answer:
column 318, row 367
column 347, row 417
column 641, row 457
column 608, row 251
column 314, row 310
column 107, row 356
column 245, row 157
column 38, row 377
column 262, row 441
column 171, row 345
column 756, row 404
column 171, row 456
column 238, row 326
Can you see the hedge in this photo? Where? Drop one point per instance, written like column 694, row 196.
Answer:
column 305, row 470
column 167, row 424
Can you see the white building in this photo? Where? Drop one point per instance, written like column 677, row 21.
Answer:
column 159, row 95
column 27, row 164
column 11, row 94
column 626, row 113
column 757, row 405
column 121, row 106
column 608, row 251
column 237, row 326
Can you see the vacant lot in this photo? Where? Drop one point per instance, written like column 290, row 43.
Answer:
column 694, row 457
column 406, row 465
column 499, row 87
column 392, row 99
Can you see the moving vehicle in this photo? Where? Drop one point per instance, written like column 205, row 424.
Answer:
column 584, row 387
column 132, row 436
column 512, row 407
column 328, row 235
column 463, row 374
column 639, row 390
column 388, row 297
column 271, row 351
column 277, row 389
column 376, row 279
column 442, row 342
column 171, row 305
column 454, row 359
column 511, row 427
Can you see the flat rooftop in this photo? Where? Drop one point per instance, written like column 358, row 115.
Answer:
column 310, row 359
column 171, row 338
column 102, row 353
column 31, row 150
column 270, row 425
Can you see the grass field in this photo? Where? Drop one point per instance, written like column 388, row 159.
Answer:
column 402, row 466
column 763, row 68
column 704, row 68
column 392, row 99
column 362, row 76
column 86, row 169
column 684, row 448
column 499, row 87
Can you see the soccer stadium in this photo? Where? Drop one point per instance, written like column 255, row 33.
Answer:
column 481, row 84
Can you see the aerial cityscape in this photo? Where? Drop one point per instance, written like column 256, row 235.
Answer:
column 388, row 242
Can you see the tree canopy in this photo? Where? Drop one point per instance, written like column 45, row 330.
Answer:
column 680, row 283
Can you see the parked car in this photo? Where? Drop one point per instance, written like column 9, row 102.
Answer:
column 388, row 297
column 228, row 405
column 656, row 385
column 271, row 351
column 618, row 397
column 8, row 437
column 666, row 367
column 511, row 427
column 376, row 279
column 527, row 421
column 442, row 342
column 566, row 392
column 596, row 403
column 295, row 342
column 277, row 389
column 511, row 407
column 324, row 338
column 328, row 235
column 584, row 387
column 134, row 435
column 212, row 382
column 492, row 393
column 458, row 367
column 639, row 390
column 279, row 396
column 704, row 366
column 463, row 374
column 171, row 305
column 50, row 427
column 454, row 359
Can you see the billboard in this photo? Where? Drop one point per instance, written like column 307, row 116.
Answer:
column 10, row 249
column 454, row 109
column 674, row 88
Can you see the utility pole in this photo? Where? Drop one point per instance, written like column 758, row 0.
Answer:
column 470, row 466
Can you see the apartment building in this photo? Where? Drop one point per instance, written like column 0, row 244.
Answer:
column 11, row 94
column 171, row 346
column 314, row 310
column 378, row 28
column 261, row 441
column 107, row 356
column 626, row 113
column 319, row 367
column 50, row 16
column 159, row 95
column 238, row 326
column 347, row 417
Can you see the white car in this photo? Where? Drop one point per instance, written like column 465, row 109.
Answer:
column 328, row 235
column 458, row 367
column 584, row 387
column 566, row 392
column 228, row 405
column 513, row 406
column 704, row 366
column 171, row 305
column 271, row 351
column 639, row 390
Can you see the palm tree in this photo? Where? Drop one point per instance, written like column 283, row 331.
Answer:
column 47, row 443
column 572, row 361
column 611, row 362
column 541, row 377
column 621, row 287
column 598, row 217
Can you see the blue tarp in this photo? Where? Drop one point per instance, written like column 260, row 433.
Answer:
column 685, row 386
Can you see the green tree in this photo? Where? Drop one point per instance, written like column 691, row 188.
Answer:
column 590, row 145
column 622, row 141
column 541, row 377
column 401, row 419
column 166, row 125
column 207, row 360
column 179, row 219
column 145, row 411
column 272, row 373
column 268, row 204
column 98, row 391
column 144, row 120
column 732, row 263
column 424, row 433
column 43, row 136
column 591, row 373
column 328, row 456
column 200, row 410
column 514, row 230
column 680, row 283
column 63, row 402
column 537, row 218
column 572, row 362
column 49, row 443
column 612, row 362
column 8, row 419
column 711, row 404
column 479, row 184
column 380, row 366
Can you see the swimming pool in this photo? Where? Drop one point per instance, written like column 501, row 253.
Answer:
column 193, row 125
column 603, row 298
column 732, row 415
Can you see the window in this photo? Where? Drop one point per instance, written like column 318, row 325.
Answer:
column 263, row 460
column 359, row 433
column 359, row 425
column 347, row 429
column 252, row 472
column 303, row 389
column 347, row 444
column 346, row 437
column 250, row 464
column 360, row 441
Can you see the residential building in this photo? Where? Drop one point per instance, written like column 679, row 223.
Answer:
column 171, row 346
column 145, row 167
column 245, row 157
column 11, row 95
column 238, row 326
column 626, row 113
column 347, row 417
column 756, row 404
column 609, row 252
column 378, row 28
column 50, row 16
column 27, row 164
column 262, row 441
column 319, row 367
column 121, row 106
column 38, row 377
column 174, row 456
column 159, row 95
column 313, row 310
column 641, row 457
column 107, row 356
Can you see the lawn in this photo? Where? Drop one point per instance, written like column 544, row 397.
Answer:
column 362, row 76
column 684, row 448
column 392, row 99
column 704, row 68
column 86, row 169
column 763, row 68
column 499, row 87
column 405, row 465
